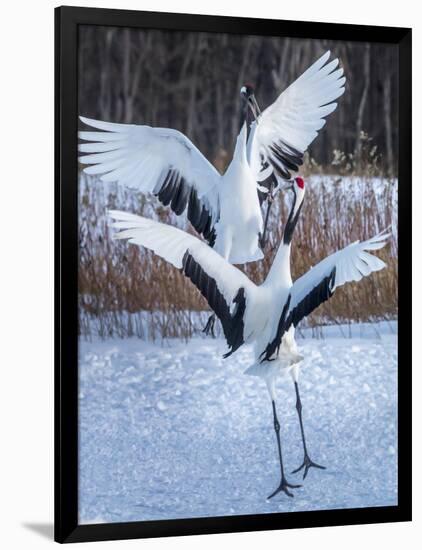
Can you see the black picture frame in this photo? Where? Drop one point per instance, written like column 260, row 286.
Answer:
column 67, row 529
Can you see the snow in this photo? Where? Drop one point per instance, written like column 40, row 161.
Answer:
column 175, row 431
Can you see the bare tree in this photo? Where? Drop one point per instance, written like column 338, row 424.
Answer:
column 191, row 81
column 366, row 75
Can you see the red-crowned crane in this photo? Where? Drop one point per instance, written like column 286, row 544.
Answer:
column 225, row 209
column 265, row 315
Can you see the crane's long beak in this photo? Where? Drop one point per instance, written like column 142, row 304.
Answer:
column 254, row 107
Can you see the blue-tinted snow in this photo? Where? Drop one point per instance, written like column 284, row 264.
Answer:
column 175, row 431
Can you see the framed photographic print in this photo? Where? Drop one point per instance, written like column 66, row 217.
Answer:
column 233, row 301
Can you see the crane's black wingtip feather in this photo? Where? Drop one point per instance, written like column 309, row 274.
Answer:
column 177, row 193
column 232, row 323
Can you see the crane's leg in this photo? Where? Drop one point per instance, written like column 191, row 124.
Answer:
column 209, row 327
column 263, row 237
column 284, row 485
column 307, row 462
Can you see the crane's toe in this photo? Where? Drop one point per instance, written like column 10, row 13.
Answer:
column 284, row 487
column 307, row 464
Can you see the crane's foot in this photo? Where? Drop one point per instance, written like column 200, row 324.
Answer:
column 209, row 327
column 308, row 463
column 284, row 487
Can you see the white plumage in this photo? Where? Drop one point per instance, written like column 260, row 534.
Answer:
column 284, row 130
column 140, row 157
column 225, row 209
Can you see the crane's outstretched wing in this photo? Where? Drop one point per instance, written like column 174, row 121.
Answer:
column 224, row 286
column 155, row 160
column 284, row 130
column 318, row 285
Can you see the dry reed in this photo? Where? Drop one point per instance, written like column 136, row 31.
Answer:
column 127, row 291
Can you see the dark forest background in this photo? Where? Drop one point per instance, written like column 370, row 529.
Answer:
column 191, row 82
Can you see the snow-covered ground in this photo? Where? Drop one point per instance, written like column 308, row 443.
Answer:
column 175, row 431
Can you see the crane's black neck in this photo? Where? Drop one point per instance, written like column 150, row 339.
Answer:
column 293, row 218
